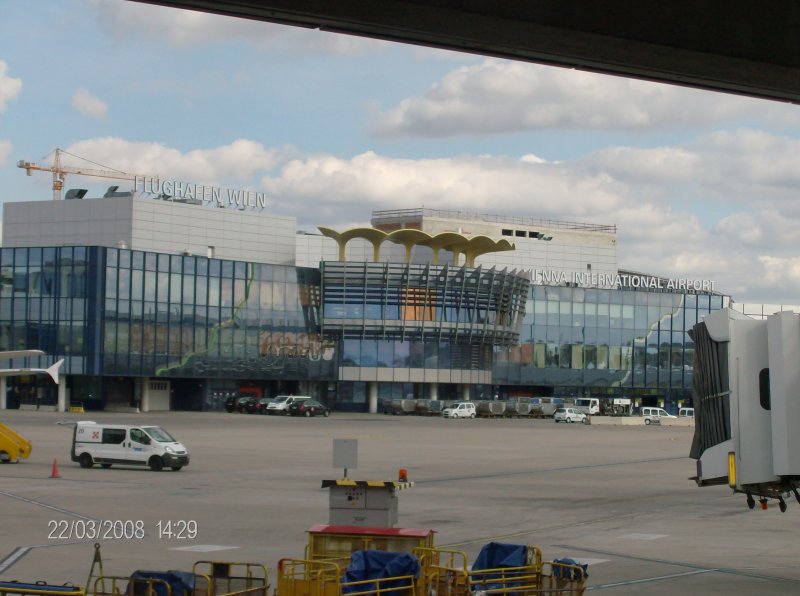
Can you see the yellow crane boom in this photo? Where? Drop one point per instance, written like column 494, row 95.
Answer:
column 60, row 172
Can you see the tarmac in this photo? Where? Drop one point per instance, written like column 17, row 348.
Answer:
column 616, row 497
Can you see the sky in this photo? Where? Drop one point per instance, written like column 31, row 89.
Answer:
column 330, row 127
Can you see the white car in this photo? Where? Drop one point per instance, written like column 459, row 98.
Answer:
column 460, row 409
column 654, row 415
column 280, row 405
column 569, row 415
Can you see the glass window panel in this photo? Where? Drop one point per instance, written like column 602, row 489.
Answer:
column 149, row 285
column 162, row 291
column 201, row 290
column 279, row 296
column 589, row 357
column 615, row 357
column 137, row 259
column 385, row 353
column 602, row 357
column 137, row 284
column 111, row 282
column 402, row 351
column 351, row 352
column 201, row 266
column 431, row 354
column 576, row 356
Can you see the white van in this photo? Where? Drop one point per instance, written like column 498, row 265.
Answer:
column 686, row 413
column 281, row 403
column 587, row 405
column 108, row 444
column 651, row 415
column 460, row 409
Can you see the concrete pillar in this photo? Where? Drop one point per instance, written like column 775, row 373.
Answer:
column 373, row 397
column 62, row 393
column 144, row 405
column 435, row 391
column 3, row 391
column 465, row 389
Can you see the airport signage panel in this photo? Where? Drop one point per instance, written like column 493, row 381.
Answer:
column 621, row 280
column 199, row 193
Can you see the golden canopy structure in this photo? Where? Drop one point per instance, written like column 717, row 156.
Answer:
column 457, row 244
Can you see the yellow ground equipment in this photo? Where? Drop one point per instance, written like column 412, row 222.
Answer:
column 207, row 578
column 298, row 577
column 38, row 589
column 322, row 571
column 449, row 573
column 13, row 445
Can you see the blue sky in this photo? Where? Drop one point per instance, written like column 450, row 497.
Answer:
column 331, row 127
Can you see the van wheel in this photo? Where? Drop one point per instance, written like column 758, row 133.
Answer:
column 472, row 415
column 176, row 468
column 156, row 464
column 85, row 460
column 647, row 421
column 106, row 466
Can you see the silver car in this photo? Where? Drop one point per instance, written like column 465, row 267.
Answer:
column 569, row 415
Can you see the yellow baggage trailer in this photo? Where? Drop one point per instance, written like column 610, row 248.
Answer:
column 13, row 445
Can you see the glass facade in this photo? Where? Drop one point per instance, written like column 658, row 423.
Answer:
column 48, row 302
column 118, row 315
column 578, row 341
column 185, row 316
column 121, row 314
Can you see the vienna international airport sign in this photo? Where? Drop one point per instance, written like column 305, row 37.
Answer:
column 201, row 193
column 601, row 280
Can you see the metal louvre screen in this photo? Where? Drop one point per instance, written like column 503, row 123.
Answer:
column 711, row 391
column 407, row 301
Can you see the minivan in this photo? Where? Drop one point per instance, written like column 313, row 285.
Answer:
column 655, row 414
column 281, row 403
column 686, row 413
column 460, row 409
column 109, row 444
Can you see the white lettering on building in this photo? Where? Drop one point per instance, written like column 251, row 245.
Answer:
column 177, row 190
column 609, row 280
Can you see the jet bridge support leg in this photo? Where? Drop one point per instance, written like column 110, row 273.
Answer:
column 62, row 395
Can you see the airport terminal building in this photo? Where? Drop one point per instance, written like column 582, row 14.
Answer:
column 158, row 304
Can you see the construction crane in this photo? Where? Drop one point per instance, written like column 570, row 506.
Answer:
column 60, row 172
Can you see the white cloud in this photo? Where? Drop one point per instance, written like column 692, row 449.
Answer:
column 499, row 97
column 647, row 193
column 89, row 105
column 188, row 28
column 240, row 160
column 9, row 87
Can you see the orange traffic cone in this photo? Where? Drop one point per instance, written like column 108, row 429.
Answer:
column 54, row 473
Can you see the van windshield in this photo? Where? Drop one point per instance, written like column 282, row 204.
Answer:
column 160, row 435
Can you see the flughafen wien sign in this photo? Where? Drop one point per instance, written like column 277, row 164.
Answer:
column 625, row 280
column 201, row 193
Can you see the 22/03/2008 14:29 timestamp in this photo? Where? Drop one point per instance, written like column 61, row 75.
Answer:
column 92, row 529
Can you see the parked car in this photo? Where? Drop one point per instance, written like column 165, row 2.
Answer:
column 308, row 407
column 569, row 415
column 257, row 406
column 686, row 413
column 280, row 405
column 236, row 404
column 460, row 409
column 654, row 415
